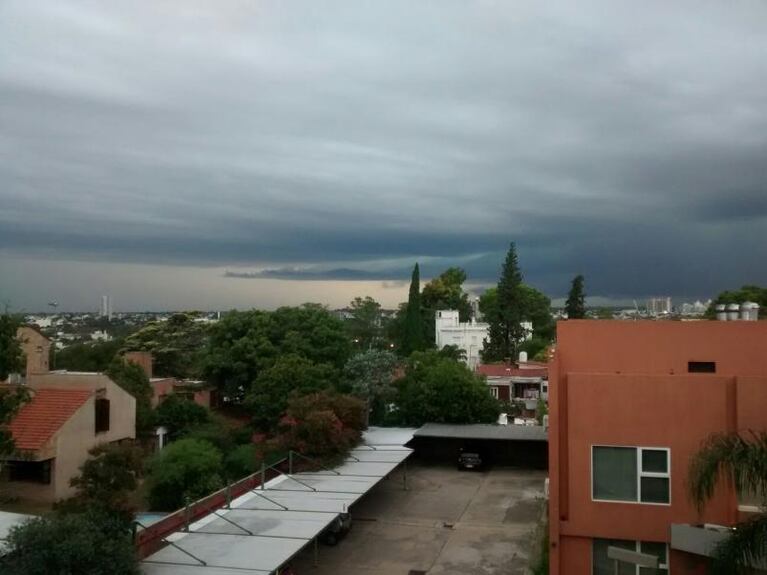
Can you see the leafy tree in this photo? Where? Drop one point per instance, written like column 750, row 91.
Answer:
column 91, row 356
column 365, row 325
column 180, row 415
column 241, row 461
column 453, row 352
column 291, row 374
column 109, row 477
column 441, row 390
column 11, row 400
column 322, row 424
column 742, row 461
column 576, row 300
column 11, row 354
column 132, row 378
column 90, row 543
column 371, row 375
column 506, row 317
column 186, row 470
column 752, row 293
column 444, row 292
column 541, row 409
column 413, row 336
column 175, row 344
column 244, row 344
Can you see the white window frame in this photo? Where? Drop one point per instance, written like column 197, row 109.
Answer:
column 494, row 391
column 638, row 549
column 640, row 474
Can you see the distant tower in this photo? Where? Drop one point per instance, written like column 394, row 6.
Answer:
column 106, row 307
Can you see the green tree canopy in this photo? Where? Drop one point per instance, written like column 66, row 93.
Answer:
column 576, row 299
column 187, row 469
column 175, row 344
column 441, row 390
column 90, row 356
column 11, row 354
column 444, row 292
column 365, row 325
column 505, row 318
column 413, row 337
column 11, row 400
column 290, row 374
column 181, row 415
column 109, row 477
column 131, row 378
column 370, row 375
column 244, row 344
column 89, row 543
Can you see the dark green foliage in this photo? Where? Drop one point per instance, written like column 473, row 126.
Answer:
column 89, row 543
column 212, row 431
column 11, row 401
column 185, row 470
column 131, row 378
column 180, row 415
column 541, row 409
column 752, row 293
column 244, row 344
column 370, row 375
column 175, row 344
column 322, row 424
column 445, row 292
column 505, row 317
column 291, row 374
column 92, row 356
column 535, row 348
column 11, row 354
column 742, row 461
column 440, row 390
column 413, row 338
column 241, row 462
column 576, row 299
column 365, row 326
column 109, row 477
column 453, row 352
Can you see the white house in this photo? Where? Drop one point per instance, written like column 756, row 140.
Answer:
column 469, row 336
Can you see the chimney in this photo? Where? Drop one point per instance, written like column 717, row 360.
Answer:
column 141, row 358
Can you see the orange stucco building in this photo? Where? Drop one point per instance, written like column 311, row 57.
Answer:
column 630, row 403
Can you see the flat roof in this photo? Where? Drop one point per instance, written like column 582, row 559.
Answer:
column 484, row 431
column 266, row 527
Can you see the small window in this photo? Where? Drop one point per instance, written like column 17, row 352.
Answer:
column 30, row 471
column 494, row 392
column 701, row 367
column 102, row 415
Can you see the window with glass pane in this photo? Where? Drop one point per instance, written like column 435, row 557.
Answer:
column 660, row 551
column 654, row 490
column 602, row 565
column 615, row 473
column 655, row 460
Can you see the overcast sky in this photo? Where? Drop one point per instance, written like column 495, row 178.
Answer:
column 147, row 148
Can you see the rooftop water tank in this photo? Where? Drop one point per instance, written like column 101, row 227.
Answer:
column 733, row 312
column 749, row 311
column 721, row 312
column 522, row 357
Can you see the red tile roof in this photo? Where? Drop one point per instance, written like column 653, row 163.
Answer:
column 41, row 417
column 505, row 370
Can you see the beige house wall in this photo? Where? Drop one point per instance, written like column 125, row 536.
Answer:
column 37, row 349
column 78, row 435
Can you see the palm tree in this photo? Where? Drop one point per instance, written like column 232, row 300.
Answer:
column 741, row 460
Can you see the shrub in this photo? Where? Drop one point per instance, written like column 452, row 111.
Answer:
column 187, row 469
column 181, row 415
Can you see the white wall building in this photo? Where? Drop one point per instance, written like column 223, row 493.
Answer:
column 468, row 336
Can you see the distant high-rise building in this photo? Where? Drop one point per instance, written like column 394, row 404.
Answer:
column 659, row 306
column 106, row 307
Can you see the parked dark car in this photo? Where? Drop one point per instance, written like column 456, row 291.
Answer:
column 471, row 457
column 337, row 530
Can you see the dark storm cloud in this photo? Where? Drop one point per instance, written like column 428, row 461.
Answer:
column 345, row 140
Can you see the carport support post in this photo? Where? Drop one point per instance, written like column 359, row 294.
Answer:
column 290, row 462
column 316, row 553
column 263, row 474
column 404, row 475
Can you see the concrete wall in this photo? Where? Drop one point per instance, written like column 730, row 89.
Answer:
column 626, row 383
column 37, row 349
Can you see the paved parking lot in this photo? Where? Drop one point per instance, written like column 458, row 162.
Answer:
column 447, row 523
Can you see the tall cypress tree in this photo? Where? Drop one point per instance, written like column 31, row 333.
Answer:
column 576, row 300
column 413, row 337
column 506, row 331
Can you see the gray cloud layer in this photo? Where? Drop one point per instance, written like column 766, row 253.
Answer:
column 626, row 141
